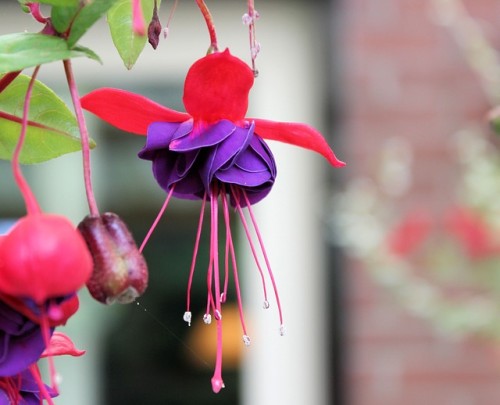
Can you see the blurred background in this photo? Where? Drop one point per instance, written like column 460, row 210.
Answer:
column 388, row 269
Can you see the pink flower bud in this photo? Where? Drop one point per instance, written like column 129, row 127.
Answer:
column 120, row 271
column 43, row 257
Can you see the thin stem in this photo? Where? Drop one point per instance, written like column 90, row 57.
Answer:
column 157, row 219
column 44, row 325
column 32, row 206
column 84, row 136
column 210, row 25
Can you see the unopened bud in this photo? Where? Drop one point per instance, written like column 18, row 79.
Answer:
column 120, row 271
column 154, row 29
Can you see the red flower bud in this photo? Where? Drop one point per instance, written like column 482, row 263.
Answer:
column 43, row 257
column 120, row 271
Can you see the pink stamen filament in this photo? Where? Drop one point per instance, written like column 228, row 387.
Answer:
column 44, row 325
column 171, row 14
column 84, row 137
column 223, row 296
column 195, row 255
column 210, row 25
column 217, row 382
column 32, row 206
column 35, row 372
column 157, row 219
column 233, row 258
column 234, row 192
column 264, row 253
column 138, row 24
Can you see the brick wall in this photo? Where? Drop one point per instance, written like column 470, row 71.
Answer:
column 404, row 76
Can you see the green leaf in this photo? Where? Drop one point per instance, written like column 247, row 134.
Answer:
column 52, row 129
column 19, row 51
column 128, row 44
column 63, row 3
column 79, row 18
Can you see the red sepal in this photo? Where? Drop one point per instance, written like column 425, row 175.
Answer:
column 59, row 345
column 129, row 111
column 296, row 134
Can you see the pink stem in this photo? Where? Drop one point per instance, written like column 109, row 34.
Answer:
column 195, row 252
column 36, row 13
column 32, row 206
column 210, row 24
column 157, row 219
column 84, row 137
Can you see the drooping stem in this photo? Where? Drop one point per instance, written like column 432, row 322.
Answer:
column 84, row 137
column 36, row 13
column 210, row 25
column 32, row 206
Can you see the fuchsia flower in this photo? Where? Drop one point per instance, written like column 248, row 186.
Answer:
column 213, row 153
column 473, row 232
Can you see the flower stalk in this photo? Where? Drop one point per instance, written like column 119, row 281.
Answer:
column 210, row 25
column 32, row 206
column 84, row 136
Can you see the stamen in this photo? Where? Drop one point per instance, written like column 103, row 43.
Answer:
column 187, row 317
column 229, row 237
column 45, row 328
column 207, row 318
column 35, row 372
column 264, row 253
column 158, row 217
column 266, row 305
column 195, row 253
column 246, row 340
column 282, row 330
column 217, row 315
column 234, row 192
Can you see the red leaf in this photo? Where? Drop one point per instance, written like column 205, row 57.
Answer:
column 296, row 134
column 129, row 111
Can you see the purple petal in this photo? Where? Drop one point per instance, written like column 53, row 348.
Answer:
column 21, row 342
column 211, row 136
column 161, row 134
